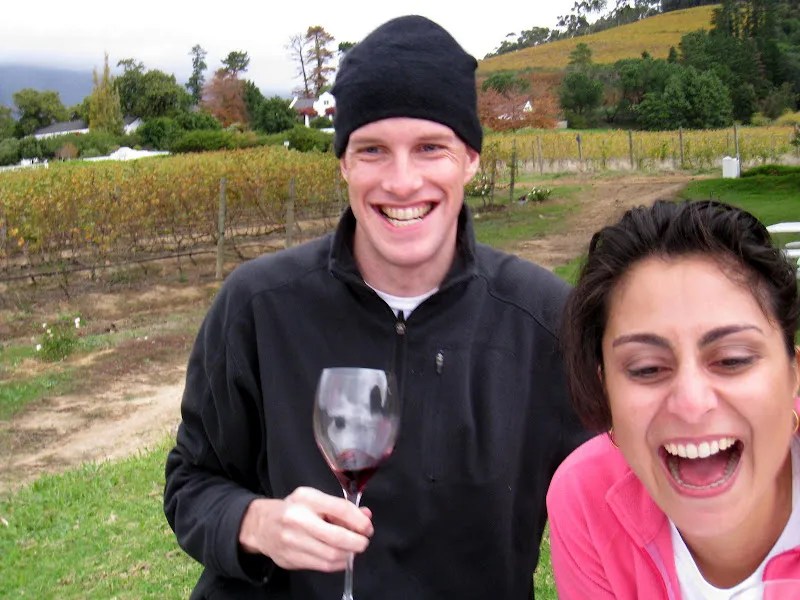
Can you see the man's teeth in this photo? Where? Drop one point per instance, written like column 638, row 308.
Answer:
column 406, row 215
column 701, row 450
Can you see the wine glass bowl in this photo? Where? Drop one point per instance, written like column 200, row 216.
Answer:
column 356, row 422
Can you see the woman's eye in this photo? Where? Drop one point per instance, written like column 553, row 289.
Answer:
column 734, row 362
column 646, row 372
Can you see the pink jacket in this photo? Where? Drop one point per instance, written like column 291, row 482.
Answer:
column 608, row 539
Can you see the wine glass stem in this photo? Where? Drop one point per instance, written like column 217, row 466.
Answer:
column 348, row 572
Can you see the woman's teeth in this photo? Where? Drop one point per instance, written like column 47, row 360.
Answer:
column 401, row 217
column 701, row 450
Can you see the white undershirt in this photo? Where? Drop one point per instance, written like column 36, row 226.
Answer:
column 695, row 587
column 404, row 303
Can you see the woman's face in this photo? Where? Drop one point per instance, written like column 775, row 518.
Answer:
column 701, row 390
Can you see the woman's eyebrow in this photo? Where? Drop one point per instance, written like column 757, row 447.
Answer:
column 641, row 338
column 721, row 332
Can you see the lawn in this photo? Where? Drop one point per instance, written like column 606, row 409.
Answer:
column 98, row 531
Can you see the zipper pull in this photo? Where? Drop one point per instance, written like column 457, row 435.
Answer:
column 439, row 362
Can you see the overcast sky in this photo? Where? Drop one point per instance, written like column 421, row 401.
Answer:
column 160, row 33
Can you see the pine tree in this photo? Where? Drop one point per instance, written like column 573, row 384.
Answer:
column 105, row 113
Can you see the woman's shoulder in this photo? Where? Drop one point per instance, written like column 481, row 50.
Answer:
column 588, row 472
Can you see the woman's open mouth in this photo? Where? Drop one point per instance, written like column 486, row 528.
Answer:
column 406, row 215
column 703, row 467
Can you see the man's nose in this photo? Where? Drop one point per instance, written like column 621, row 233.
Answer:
column 403, row 177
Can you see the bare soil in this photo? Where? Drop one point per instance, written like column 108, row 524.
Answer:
column 126, row 398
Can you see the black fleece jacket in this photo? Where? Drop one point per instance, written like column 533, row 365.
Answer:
column 458, row 508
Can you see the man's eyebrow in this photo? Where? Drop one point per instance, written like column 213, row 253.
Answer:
column 641, row 338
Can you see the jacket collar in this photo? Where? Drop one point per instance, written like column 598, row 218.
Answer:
column 342, row 262
column 646, row 524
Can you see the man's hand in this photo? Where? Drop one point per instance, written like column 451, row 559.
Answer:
column 306, row 530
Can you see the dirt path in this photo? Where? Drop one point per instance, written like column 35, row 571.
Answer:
column 138, row 399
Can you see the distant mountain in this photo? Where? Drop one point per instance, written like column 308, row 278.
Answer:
column 72, row 86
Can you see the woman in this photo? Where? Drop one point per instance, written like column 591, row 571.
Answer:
column 679, row 343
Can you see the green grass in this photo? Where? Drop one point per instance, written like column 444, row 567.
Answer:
column 513, row 223
column 15, row 395
column 570, row 271
column 99, row 532
column 771, row 199
column 94, row 532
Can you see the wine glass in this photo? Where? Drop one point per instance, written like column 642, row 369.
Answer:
column 356, row 421
column 773, row 589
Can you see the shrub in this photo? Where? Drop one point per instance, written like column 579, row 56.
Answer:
column 538, row 194
column 202, row 140
column 321, row 123
column 67, row 151
column 29, row 147
column 478, row 186
column 771, row 170
column 191, row 121
column 59, row 339
column 306, row 139
column 789, row 118
column 102, row 142
column 9, row 152
column 159, row 133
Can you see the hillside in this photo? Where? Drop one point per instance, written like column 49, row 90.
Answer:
column 655, row 34
column 72, row 86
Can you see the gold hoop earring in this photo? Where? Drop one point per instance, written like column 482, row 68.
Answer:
column 614, row 442
column 796, row 421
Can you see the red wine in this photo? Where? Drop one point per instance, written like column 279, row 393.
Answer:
column 354, row 468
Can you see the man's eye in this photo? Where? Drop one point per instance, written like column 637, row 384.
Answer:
column 430, row 147
column 339, row 422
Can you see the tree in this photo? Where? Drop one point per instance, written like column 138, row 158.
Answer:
column 580, row 93
column 318, row 57
column 105, row 113
column 149, row 94
column 274, row 115
column 130, row 85
column 527, row 38
column 6, row 122
column 197, row 79
column 297, row 52
column 223, row 97
column 581, row 57
column 37, row 109
column 505, row 82
column 693, row 99
column 236, row 62
column 344, row 47
column 581, row 90
column 253, row 98
column 735, row 61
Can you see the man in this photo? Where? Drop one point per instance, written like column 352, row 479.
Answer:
column 457, row 511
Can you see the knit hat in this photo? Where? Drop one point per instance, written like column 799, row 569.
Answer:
column 407, row 67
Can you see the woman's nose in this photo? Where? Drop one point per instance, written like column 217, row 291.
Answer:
column 692, row 395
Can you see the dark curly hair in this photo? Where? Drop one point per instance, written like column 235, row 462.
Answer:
column 731, row 236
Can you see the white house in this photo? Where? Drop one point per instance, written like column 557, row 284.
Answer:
column 130, row 124
column 324, row 106
column 63, row 128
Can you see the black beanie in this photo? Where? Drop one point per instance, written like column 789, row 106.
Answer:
column 407, row 67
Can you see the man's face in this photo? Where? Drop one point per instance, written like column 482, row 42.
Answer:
column 406, row 184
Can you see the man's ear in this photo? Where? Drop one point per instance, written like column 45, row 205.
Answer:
column 473, row 162
column 343, row 169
